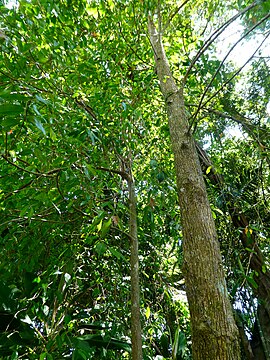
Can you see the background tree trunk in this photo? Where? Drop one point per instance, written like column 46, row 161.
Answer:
column 136, row 337
column 214, row 332
column 260, row 339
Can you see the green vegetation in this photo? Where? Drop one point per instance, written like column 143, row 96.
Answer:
column 91, row 169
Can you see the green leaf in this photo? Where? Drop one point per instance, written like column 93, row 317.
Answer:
column 165, row 345
column 252, row 282
column 106, row 342
column 5, row 94
column 40, row 126
column 105, row 227
column 93, row 12
column 52, row 135
column 153, row 163
column 219, row 211
column 10, row 122
column 80, row 354
column 99, row 225
column 147, row 312
column 10, row 109
column 117, row 254
column 100, row 248
column 24, row 210
column 14, row 356
column 82, row 344
column 40, row 98
column 161, row 176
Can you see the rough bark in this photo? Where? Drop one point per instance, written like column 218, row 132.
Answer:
column 214, row 332
column 136, row 337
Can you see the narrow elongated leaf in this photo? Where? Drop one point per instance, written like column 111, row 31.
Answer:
column 10, row 122
column 117, row 254
column 106, row 342
column 40, row 126
column 147, row 312
column 10, row 109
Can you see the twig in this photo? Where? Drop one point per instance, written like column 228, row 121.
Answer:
column 174, row 14
column 224, row 59
column 50, row 173
column 213, row 37
column 17, row 190
column 123, row 174
column 237, row 72
column 87, row 108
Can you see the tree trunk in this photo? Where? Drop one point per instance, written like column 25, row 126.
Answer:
column 214, row 332
column 260, row 341
column 136, row 337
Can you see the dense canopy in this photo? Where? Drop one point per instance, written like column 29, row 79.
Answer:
column 89, row 176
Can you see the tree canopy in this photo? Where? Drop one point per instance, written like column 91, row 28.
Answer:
column 82, row 115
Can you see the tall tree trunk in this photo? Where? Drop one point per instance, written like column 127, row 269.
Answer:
column 136, row 337
column 214, row 332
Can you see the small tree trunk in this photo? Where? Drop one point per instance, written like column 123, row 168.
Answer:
column 214, row 332
column 260, row 341
column 136, row 337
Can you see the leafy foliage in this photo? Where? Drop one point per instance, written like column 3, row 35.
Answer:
column 78, row 94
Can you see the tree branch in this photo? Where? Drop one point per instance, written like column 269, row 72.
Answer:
column 50, row 173
column 214, row 36
column 123, row 174
column 174, row 14
column 19, row 189
column 223, row 61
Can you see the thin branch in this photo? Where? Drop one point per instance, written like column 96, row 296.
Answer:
column 14, row 141
column 252, row 251
column 237, row 118
column 159, row 19
column 174, row 14
column 123, row 174
column 58, row 186
column 40, row 68
column 213, row 37
column 8, row 76
column 222, row 87
column 17, row 190
column 81, row 212
column 242, row 120
column 224, row 59
column 19, row 167
column 130, row 47
column 237, row 72
column 6, row 141
column 207, row 164
column 87, row 108
column 122, row 232
column 25, row 218
column 50, row 173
